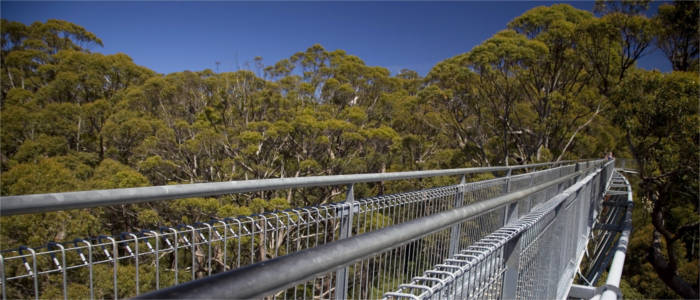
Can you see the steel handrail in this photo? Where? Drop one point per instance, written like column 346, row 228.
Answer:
column 611, row 289
column 36, row 203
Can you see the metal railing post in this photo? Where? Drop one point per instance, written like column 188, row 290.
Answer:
column 561, row 186
column 511, row 210
column 341, row 275
column 603, row 177
column 601, row 191
column 511, row 250
column 511, row 257
column 455, row 232
column 530, row 198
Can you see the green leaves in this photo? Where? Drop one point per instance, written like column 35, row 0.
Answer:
column 554, row 25
column 383, row 134
column 43, row 146
column 125, row 130
column 505, row 51
column 110, row 174
column 659, row 114
column 46, row 176
column 678, row 33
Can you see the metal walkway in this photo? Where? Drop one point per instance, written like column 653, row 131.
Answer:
column 521, row 235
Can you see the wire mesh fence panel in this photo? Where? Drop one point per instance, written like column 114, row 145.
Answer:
column 626, row 164
column 542, row 249
column 601, row 246
column 372, row 276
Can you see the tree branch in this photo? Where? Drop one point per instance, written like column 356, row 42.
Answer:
column 667, row 274
column 571, row 139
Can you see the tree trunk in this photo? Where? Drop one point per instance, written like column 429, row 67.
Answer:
column 668, row 274
column 102, row 149
column 77, row 143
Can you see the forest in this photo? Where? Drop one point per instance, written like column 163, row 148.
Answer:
column 557, row 83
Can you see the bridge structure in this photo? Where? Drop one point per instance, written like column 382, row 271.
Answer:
column 538, row 231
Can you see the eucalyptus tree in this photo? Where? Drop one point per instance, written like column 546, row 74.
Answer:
column 26, row 48
column 553, row 87
column 614, row 42
column 499, row 61
column 452, row 87
column 678, row 33
column 659, row 115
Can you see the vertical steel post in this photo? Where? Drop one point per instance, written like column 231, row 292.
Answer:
column 511, row 250
column 601, row 191
column 511, row 257
column 511, row 210
column 2, row 277
column 531, row 196
column 341, row 275
column 455, row 232
column 563, row 185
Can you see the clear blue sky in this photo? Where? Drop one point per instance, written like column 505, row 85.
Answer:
column 176, row 36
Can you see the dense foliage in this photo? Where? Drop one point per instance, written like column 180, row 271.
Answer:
column 557, row 83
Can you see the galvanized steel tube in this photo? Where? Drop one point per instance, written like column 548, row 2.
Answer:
column 25, row 204
column 618, row 262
